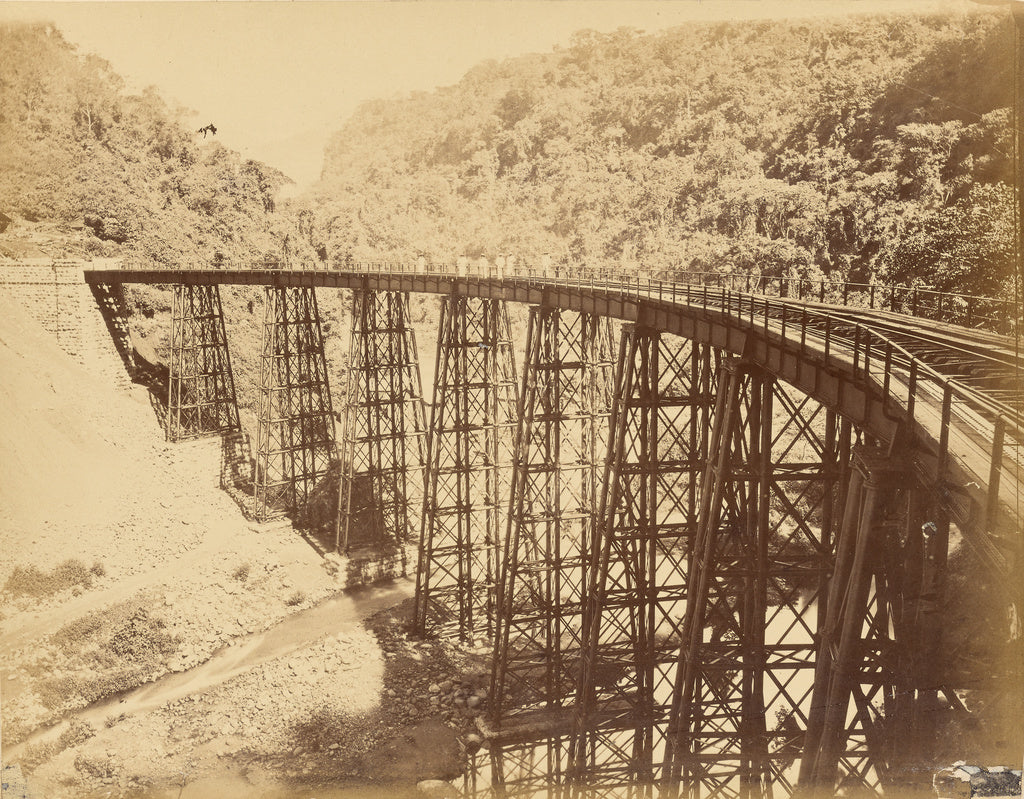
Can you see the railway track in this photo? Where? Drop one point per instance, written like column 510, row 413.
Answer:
column 946, row 342
column 983, row 363
column 980, row 360
column 957, row 390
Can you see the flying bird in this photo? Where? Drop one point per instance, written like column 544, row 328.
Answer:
column 208, row 129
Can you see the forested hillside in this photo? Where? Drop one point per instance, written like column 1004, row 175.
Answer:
column 88, row 169
column 861, row 148
column 866, row 148
column 119, row 174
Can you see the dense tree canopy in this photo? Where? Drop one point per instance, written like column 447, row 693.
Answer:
column 866, row 148
column 863, row 148
column 77, row 147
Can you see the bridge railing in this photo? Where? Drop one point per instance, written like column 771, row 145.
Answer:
column 1000, row 315
column 968, row 310
column 989, row 313
column 955, row 414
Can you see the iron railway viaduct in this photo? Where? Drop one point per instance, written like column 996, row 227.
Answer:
column 711, row 551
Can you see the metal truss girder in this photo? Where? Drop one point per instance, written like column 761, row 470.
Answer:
column 761, row 553
column 466, row 484
column 563, row 409
column 295, row 425
column 647, row 519
column 201, row 392
column 383, row 457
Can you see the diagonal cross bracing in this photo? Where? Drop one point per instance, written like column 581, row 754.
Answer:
column 295, row 427
column 466, row 493
column 870, row 686
column 524, row 768
column 563, row 404
column 114, row 309
column 201, row 394
column 383, row 457
column 647, row 514
column 761, row 554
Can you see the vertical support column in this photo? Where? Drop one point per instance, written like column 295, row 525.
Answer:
column 864, row 719
column 469, row 445
column 563, row 405
column 647, row 519
column 381, row 491
column 295, row 430
column 760, row 557
column 522, row 767
column 201, row 395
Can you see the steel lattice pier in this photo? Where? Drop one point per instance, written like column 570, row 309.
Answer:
column 562, row 431
column 761, row 554
column 383, row 457
column 658, row 445
column 295, row 433
column 468, row 469
column 201, row 394
column 874, row 675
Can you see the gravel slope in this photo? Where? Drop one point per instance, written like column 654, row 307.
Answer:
column 178, row 574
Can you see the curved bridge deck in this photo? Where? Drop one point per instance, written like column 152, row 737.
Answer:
column 953, row 393
column 750, row 520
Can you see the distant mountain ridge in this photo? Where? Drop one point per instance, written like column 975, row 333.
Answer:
column 864, row 148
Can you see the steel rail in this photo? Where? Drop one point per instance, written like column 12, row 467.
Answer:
column 981, row 358
column 917, row 301
column 938, row 340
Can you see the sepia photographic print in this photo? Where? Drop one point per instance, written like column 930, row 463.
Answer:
column 580, row 399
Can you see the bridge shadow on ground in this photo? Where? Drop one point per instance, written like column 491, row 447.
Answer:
column 370, row 554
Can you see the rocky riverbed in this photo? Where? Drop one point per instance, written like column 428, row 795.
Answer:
column 369, row 707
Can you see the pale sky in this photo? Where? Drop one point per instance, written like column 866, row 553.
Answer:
column 277, row 77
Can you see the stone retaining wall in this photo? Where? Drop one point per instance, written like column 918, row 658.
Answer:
column 57, row 296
